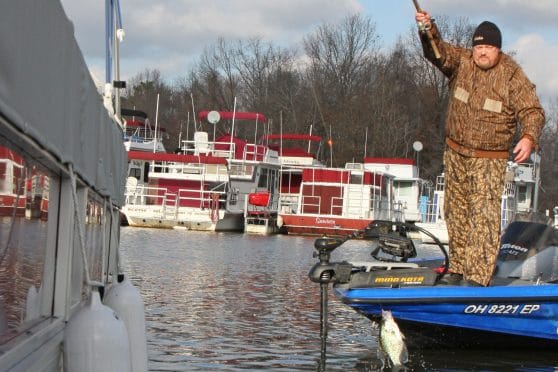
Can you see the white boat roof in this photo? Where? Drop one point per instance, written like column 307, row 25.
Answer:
column 42, row 63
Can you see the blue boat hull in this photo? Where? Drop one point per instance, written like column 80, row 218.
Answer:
column 464, row 316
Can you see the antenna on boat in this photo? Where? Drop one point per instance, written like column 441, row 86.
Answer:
column 194, row 112
column 256, row 131
column 417, row 146
column 187, row 126
column 180, row 134
column 309, row 142
column 156, row 119
column 365, row 140
column 281, row 136
column 330, row 143
column 114, row 36
column 232, row 127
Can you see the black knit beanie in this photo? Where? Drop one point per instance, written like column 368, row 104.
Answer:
column 487, row 33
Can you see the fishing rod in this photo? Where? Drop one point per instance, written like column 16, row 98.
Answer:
column 427, row 32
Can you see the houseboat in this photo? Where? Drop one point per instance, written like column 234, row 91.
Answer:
column 206, row 186
column 339, row 201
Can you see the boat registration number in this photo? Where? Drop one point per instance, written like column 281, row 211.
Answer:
column 520, row 309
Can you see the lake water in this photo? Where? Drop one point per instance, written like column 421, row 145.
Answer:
column 231, row 302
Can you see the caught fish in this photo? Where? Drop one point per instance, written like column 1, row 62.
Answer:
column 392, row 340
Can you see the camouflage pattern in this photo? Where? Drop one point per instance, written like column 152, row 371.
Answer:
column 484, row 109
column 485, row 105
column 473, row 197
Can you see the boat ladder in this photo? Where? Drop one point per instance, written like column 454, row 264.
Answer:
column 170, row 206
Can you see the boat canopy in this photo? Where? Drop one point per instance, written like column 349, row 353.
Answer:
column 130, row 112
column 236, row 115
column 67, row 117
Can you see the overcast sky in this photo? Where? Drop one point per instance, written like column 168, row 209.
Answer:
column 169, row 35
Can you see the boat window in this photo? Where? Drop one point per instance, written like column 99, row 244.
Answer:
column 521, row 193
column 262, row 182
column 403, row 188
column 135, row 172
column 25, row 281
column 146, row 172
column 356, row 179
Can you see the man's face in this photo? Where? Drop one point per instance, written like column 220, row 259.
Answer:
column 486, row 56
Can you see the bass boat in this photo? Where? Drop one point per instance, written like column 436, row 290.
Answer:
column 519, row 308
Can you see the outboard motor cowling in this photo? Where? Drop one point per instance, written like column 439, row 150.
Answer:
column 528, row 251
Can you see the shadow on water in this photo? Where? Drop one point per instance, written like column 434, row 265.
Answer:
column 230, row 302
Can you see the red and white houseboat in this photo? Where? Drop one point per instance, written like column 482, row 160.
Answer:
column 206, row 186
column 338, row 202
column 23, row 187
column 12, row 183
column 296, row 153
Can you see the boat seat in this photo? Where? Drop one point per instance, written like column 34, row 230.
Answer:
column 201, row 143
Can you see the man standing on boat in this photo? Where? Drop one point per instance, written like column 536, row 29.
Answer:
column 489, row 94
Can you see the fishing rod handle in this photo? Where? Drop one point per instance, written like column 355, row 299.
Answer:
column 428, row 34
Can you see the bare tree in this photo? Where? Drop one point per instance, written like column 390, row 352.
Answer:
column 341, row 57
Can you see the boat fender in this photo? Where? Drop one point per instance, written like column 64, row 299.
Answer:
column 279, row 221
column 32, row 305
column 96, row 339
column 126, row 300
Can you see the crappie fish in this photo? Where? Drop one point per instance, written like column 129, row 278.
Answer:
column 392, row 340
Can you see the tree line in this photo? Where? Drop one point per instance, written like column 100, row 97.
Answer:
column 339, row 83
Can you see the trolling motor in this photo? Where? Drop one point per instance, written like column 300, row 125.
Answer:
column 324, row 273
column 392, row 241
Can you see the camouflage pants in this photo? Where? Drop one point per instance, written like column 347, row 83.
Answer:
column 472, row 204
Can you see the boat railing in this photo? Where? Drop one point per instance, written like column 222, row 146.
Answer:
column 336, row 206
column 215, row 171
column 310, row 204
column 288, row 203
column 204, row 199
column 432, row 213
column 440, row 182
column 138, row 135
column 188, row 168
column 143, row 195
column 202, row 147
column 382, row 208
column 254, row 152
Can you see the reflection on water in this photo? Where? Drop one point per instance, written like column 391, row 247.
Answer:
column 229, row 302
column 22, row 256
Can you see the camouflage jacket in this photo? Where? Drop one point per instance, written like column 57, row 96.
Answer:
column 485, row 106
